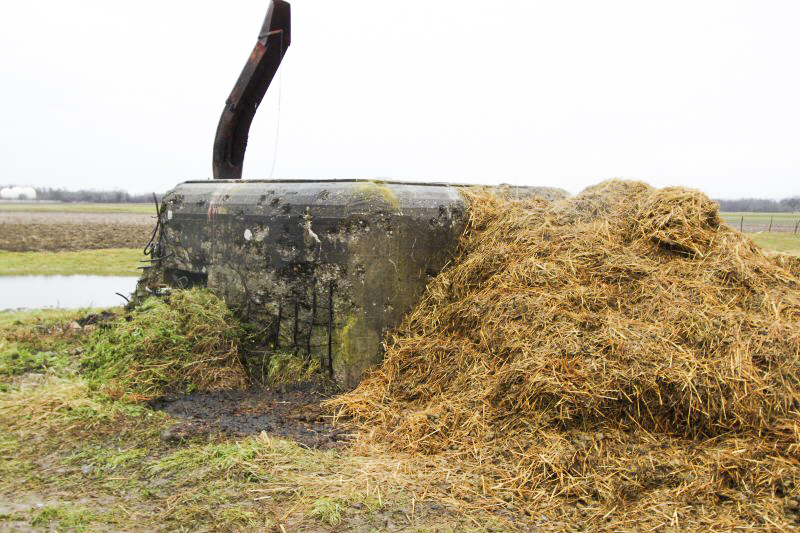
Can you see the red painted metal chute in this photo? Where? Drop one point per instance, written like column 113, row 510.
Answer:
column 230, row 143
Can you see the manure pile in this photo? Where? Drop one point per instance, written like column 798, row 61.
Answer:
column 619, row 360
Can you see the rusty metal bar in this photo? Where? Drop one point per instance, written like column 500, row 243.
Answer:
column 277, row 343
column 296, row 324
column 313, row 317
column 233, row 130
column 330, row 328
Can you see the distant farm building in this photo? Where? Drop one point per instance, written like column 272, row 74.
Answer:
column 17, row 193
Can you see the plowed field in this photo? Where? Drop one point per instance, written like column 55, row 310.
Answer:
column 51, row 231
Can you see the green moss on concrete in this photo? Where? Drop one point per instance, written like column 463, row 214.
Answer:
column 356, row 354
column 379, row 191
column 291, row 369
column 344, row 358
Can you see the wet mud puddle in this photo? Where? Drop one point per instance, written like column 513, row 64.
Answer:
column 295, row 414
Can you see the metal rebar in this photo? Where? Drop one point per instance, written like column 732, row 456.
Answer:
column 277, row 342
column 313, row 316
column 330, row 329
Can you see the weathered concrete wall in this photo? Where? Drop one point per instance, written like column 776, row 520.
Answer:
column 327, row 267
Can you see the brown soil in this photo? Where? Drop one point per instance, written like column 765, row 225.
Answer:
column 23, row 231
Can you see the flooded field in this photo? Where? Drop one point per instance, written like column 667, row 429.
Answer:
column 51, row 231
column 64, row 292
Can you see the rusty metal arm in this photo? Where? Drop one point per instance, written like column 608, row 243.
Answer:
column 230, row 142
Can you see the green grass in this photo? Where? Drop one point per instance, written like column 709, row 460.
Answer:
column 63, row 517
column 327, row 510
column 148, row 208
column 106, row 262
column 99, row 462
column 42, row 341
column 779, row 242
column 188, row 341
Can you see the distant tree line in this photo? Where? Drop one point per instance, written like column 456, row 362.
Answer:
column 763, row 205
column 84, row 195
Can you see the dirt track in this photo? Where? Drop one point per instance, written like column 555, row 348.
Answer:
column 29, row 231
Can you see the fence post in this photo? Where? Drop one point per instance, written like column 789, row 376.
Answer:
column 770, row 225
column 796, row 225
column 741, row 224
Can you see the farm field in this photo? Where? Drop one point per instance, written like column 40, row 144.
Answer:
column 779, row 242
column 73, row 230
column 76, row 207
column 757, row 222
column 101, row 262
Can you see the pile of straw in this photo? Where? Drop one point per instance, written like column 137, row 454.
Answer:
column 621, row 359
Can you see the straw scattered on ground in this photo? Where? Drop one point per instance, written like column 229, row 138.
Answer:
column 617, row 360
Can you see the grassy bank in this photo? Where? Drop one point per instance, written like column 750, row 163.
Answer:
column 107, row 262
column 779, row 242
column 80, row 451
column 54, row 207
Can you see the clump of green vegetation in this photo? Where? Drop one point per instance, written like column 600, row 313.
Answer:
column 41, row 341
column 185, row 342
column 327, row 510
column 290, row 369
column 64, row 517
column 17, row 360
column 233, row 459
column 235, row 516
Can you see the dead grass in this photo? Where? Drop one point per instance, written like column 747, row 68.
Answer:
column 38, row 399
column 619, row 360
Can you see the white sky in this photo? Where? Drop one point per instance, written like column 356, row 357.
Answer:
column 127, row 94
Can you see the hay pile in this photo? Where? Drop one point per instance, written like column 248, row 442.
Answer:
column 618, row 360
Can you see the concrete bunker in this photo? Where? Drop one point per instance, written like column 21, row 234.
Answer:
column 326, row 267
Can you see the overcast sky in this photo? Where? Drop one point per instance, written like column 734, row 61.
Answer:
column 127, row 94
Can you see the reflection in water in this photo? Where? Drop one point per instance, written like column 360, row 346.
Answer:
column 68, row 292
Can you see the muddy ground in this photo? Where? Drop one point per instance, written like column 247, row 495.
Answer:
column 294, row 414
column 55, row 231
